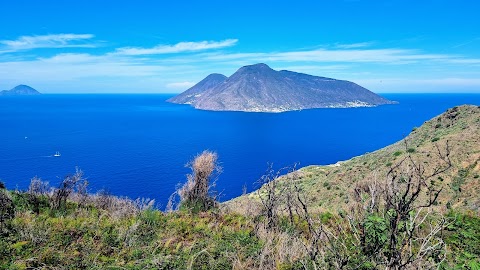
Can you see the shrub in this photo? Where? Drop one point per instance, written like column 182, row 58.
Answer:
column 375, row 234
column 196, row 194
column 7, row 209
column 463, row 238
column 38, row 187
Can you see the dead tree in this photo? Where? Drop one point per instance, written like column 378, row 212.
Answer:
column 406, row 182
column 282, row 197
column 270, row 195
column 394, row 223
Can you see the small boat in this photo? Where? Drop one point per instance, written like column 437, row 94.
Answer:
column 57, row 154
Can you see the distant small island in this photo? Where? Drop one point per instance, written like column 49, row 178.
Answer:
column 20, row 90
column 258, row 88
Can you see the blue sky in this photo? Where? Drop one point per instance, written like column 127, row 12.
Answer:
column 86, row 46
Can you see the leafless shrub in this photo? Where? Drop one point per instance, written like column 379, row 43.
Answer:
column 38, row 187
column 69, row 185
column 119, row 206
column 280, row 199
column 406, row 231
column 274, row 195
column 102, row 199
column 405, row 183
column 74, row 188
column 391, row 223
column 81, row 192
column 196, row 193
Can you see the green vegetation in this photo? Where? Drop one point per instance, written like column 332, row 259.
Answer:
column 93, row 235
column 87, row 237
column 462, row 237
column 412, row 205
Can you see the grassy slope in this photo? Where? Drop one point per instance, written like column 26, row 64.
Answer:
column 331, row 187
column 92, row 238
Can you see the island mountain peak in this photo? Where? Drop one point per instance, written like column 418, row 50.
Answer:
column 256, row 67
column 216, row 76
column 259, row 88
column 20, row 90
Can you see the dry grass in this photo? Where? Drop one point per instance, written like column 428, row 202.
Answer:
column 197, row 191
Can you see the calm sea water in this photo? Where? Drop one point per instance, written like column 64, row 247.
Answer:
column 137, row 145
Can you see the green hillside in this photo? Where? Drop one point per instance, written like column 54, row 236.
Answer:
column 332, row 187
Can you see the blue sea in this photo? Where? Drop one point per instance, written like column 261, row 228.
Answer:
column 138, row 145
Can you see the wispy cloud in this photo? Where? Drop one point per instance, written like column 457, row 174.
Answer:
column 46, row 41
column 354, row 45
column 180, row 85
column 385, row 56
column 177, row 48
column 432, row 85
column 473, row 61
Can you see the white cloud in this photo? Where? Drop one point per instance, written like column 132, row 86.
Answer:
column 180, row 85
column 354, row 45
column 384, row 56
column 67, row 67
column 46, row 41
column 177, row 48
column 473, row 61
column 159, row 69
column 412, row 85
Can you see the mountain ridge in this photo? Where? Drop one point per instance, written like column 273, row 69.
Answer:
column 189, row 95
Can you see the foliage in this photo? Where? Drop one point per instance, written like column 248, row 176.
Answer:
column 463, row 239
column 397, row 153
column 375, row 234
